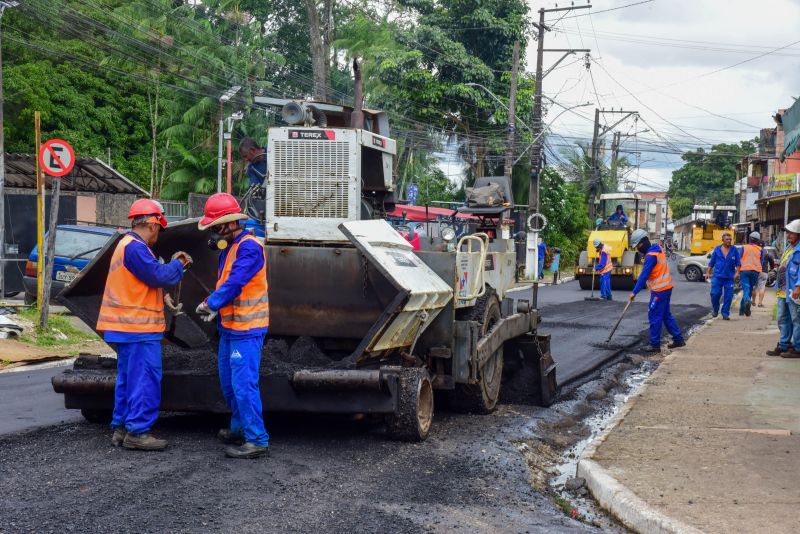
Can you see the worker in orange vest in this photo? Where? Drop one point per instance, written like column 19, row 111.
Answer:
column 241, row 305
column 656, row 276
column 604, row 267
column 132, row 319
column 752, row 259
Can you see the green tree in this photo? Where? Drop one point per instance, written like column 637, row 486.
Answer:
column 563, row 203
column 706, row 177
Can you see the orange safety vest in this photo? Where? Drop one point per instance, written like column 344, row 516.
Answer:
column 608, row 266
column 250, row 309
column 129, row 305
column 751, row 258
column 659, row 279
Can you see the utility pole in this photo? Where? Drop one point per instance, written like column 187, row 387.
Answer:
column 536, row 156
column 221, row 134
column 512, row 107
column 597, row 139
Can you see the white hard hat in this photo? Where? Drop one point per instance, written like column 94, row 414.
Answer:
column 638, row 235
column 755, row 235
column 597, row 243
column 793, row 226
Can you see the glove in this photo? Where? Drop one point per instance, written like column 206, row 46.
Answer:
column 170, row 304
column 632, row 297
column 205, row 313
column 183, row 257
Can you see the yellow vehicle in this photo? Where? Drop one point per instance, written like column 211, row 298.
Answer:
column 627, row 264
column 706, row 235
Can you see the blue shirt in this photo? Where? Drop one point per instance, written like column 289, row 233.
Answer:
column 141, row 263
column 257, row 170
column 793, row 272
column 542, row 249
column 724, row 267
column 602, row 262
column 647, row 268
column 248, row 263
column 621, row 217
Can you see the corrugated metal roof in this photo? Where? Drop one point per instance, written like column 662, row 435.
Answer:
column 89, row 175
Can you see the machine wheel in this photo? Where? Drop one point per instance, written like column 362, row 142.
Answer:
column 30, row 299
column 412, row 422
column 622, row 283
column 100, row 417
column 693, row 273
column 482, row 397
column 585, row 282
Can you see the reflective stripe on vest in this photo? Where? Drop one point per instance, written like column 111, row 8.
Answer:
column 660, row 278
column 751, row 258
column 129, row 305
column 250, row 309
column 608, row 266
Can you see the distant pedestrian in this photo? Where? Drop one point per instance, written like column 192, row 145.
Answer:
column 655, row 274
column 722, row 270
column 541, row 253
column 604, row 268
column 256, row 158
column 767, row 265
column 752, row 258
column 788, row 312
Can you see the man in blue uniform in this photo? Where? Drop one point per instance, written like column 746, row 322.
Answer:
column 541, row 252
column 604, row 267
column 256, row 158
column 619, row 216
column 724, row 264
column 655, row 274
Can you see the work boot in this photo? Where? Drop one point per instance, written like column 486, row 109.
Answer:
column 118, row 436
column 676, row 344
column 747, row 310
column 777, row 351
column 726, row 318
column 714, row 313
column 225, row 435
column 144, row 442
column 791, row 353
column 653, row 349
column 247, row 451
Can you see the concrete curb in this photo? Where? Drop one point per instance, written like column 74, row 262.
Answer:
column 616, row 498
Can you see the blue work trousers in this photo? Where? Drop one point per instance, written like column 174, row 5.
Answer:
column 788, row 319
column 137, row 392
column 749, row 280
column 721, row 288
column 239, row 359
column 659, row 315
column 605, row 286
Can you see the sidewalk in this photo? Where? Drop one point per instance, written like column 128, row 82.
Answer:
column 712, row 442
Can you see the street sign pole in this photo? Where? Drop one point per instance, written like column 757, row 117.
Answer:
column 39, row 211
column 50, row 256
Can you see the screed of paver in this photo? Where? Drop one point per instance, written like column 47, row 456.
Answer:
column 713, row 439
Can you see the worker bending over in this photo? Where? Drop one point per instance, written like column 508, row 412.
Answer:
column 655, row 274
column 242, row 306
column 132, row 319
column 723, row 268
column 604, row 267
column 752, row 259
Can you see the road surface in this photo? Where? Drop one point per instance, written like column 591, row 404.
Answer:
column 325, row 474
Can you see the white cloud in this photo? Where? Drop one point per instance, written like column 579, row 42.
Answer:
column 683, row 104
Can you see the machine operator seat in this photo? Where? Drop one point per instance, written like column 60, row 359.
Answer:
column 498, row 211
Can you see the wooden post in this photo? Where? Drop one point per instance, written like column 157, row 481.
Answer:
column 50, row 256
column 37, row 120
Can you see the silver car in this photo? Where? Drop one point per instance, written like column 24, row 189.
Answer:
column 694, row 267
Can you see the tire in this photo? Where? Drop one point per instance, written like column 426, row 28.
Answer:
column 11, row 294
column 481, row 398
column 772, row 278
column 413, row 420
column 586, row 282
column 100, row 417
column 693, row 274
column 30, row 299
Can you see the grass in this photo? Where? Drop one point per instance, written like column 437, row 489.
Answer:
column 56, row 323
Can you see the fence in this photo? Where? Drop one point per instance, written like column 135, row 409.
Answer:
column 174, row 209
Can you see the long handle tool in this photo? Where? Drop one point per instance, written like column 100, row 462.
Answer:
column 592, row 297
column 619, row 321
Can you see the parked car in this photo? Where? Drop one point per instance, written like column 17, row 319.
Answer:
column 695, row 267
column 75, row 248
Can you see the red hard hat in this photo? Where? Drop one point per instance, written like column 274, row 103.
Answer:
column 220, row 208
column 145, row 206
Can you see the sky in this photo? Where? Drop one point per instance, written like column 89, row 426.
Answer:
column 673, row 61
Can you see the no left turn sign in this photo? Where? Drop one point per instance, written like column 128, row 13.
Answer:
column 56, row 157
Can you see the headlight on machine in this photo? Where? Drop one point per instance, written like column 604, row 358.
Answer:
column 448, row 233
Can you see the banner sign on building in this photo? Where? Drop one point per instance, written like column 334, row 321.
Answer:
column 791, row 128
column 781, row 184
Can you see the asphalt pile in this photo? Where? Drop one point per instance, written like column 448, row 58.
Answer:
column 278, row 358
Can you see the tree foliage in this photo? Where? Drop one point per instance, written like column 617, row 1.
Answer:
column 706, row 177
column 563, row 204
